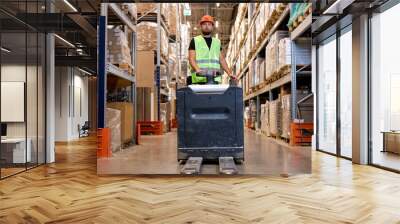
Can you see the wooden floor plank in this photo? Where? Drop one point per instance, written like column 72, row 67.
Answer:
column 69, row 191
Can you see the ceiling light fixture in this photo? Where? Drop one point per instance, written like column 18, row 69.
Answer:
column 65, row 41
column 217, row 5
column 70, row 5
column 5, row 50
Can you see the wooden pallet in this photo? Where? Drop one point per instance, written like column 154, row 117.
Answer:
column 300, row 18
column 261, row 85
column 281, row 7
column 281, row 72
column 308, row 11
column 126, row 67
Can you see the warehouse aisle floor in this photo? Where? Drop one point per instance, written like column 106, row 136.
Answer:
column 158, row 155
column 70, row 191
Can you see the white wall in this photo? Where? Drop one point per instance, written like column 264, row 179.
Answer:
column 33, row 126
column 71, row 94
column 17, row 73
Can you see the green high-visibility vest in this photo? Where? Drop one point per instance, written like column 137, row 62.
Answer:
column 207, row 58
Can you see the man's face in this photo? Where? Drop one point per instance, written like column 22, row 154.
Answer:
column 207, row 28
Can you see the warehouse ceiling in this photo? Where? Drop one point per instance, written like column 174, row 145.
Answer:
column 224, row 13
column 74, row 22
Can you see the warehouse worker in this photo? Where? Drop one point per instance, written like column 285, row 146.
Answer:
column 205, row 54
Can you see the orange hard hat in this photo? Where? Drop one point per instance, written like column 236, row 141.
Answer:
column 207, row 18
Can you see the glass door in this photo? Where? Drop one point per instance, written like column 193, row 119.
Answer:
column 385, row 89
column 345, row 60
column 326, row 78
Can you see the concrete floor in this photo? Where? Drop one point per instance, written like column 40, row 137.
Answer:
column 158, row 155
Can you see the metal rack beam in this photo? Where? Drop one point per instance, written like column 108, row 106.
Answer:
column 282, row 81
column 122, row 16
column 112, row 69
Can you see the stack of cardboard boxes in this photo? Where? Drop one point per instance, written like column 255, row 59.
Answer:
column 126, row 119
column 275, row 115
column 113, row 122
column 172, row 18
column 286, row 116
column 147, row 38
column 272, row 52
column 119, row 51
column 172, row 61
column 302, row 52
column 265, row 125
column 165, row 116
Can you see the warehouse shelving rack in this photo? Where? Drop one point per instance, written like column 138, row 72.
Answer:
column 290, row 77
column 105, row 68
column 305, row 70
column 154, row 15
column 269, row 87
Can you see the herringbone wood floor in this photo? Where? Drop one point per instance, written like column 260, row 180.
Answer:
column 69, row 191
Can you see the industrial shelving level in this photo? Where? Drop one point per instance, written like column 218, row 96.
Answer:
column 105, row 68
column 290, row 76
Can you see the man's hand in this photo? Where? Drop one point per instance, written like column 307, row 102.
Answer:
column 233, row 77
column 201, row 72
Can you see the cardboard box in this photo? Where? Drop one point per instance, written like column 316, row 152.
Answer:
column 147, row 7
column 126, row 109
column 272, row 52
column 144, row 110
column 286, row 116
column 165, row 113
column 172, row 19
column 275, row 120
column 265, row 126
column 119, row 51
column 113, row 121
column 145, row 69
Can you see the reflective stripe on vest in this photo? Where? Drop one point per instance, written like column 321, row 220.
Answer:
column 207, row 58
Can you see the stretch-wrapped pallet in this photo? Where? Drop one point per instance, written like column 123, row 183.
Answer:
column 147, row 38
column 118, row 47
column 113, row 122
column 275, row 115
column 286, row 116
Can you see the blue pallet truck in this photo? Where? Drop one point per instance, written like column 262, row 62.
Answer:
column 210, row 126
